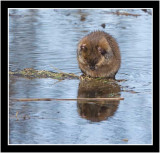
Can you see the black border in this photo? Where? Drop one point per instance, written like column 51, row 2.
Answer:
column 77, row 4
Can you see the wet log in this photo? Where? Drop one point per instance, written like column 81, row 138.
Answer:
column 70, row 99
column 124, row 13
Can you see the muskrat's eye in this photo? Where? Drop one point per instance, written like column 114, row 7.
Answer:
column 102, row 51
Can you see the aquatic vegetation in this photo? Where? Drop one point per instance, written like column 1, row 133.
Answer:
column 32, row 73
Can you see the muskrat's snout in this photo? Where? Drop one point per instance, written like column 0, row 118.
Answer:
column 92, row 67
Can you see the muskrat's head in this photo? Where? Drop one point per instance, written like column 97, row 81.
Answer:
column 94, row 51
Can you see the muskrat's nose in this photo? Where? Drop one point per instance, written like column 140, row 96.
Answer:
column 92, row 68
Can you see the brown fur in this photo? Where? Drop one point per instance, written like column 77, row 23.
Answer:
column 98, row 55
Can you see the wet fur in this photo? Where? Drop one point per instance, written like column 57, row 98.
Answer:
column 106, row 65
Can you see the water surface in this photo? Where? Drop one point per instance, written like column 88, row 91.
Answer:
column 42, row 38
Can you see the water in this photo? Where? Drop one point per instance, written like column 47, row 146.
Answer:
column 43, row 38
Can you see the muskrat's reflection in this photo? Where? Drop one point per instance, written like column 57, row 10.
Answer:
column 97, row 110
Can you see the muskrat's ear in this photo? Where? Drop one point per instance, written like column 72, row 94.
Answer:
column 101, row 50
column 83, row 47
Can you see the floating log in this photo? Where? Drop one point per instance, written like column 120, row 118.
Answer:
column 124, row 13
column 65, row 99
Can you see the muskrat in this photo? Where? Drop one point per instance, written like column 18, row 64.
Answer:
column 98, row 55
